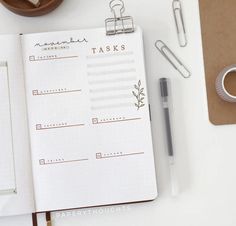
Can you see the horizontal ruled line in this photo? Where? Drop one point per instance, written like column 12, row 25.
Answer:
column 63, row 162
column 115, row 121
column 121, row 71
column 110, row 55
column 109, row 106
column 58, row 127
column 54, row 93
column 105, row 81
column 117, row 156
column 110, row 63
column 102, row 98
column 108, row 89
column 56, row 58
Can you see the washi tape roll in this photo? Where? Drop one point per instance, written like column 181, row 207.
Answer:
column 220, row 84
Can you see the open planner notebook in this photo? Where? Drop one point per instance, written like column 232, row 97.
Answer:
column 75, row 122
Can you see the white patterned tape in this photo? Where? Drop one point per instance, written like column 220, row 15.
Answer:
column 220, row 84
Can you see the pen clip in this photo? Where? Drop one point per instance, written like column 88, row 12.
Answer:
column 179, row 22
column 172, row 58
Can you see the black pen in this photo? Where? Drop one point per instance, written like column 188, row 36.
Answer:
column 165, row 97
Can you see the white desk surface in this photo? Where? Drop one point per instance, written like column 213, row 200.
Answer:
column 205, row 154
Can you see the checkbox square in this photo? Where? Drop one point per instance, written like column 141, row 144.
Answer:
column 38, row 127
column 95, row 120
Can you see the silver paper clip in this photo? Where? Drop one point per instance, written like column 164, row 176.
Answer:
column 179, row 22
column 119, row 24
column 173, row 60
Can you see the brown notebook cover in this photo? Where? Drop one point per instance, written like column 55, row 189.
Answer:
column 219, row 47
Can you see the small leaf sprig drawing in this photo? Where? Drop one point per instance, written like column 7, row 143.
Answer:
column 139, row 95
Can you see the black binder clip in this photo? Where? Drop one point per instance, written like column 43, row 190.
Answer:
column 119, row 24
